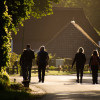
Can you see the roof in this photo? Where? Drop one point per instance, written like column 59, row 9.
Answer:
column 66, row 42
column 85, row 34
column 79, row 28
column 39, row 31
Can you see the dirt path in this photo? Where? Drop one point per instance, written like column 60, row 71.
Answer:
column 65, row 88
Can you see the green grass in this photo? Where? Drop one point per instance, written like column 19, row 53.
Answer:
column 59, row 73
column 17, row 95
column 52, row 72
column 64, row 73
column 17, row 91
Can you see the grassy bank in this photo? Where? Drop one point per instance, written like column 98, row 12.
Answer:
column 15, row 91
column 17, row 95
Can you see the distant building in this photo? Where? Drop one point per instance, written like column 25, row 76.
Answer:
column 59, row 33
column 69, row 39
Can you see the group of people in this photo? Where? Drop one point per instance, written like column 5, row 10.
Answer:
column 42, row 61
column 26, row 63
column 80, row 60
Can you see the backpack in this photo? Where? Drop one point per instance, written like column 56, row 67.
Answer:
column 95, row 60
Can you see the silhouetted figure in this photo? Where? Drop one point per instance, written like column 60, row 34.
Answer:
column 26, row 62
column 80, row 60
column 42, row 62
column 94, row 62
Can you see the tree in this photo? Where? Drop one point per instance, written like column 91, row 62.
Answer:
column 91, row 8
column 13, row 13
column 5, row 36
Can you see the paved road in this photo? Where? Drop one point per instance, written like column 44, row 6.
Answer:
column 65, row 88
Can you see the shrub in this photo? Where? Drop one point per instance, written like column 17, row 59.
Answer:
column 52, row 68
column 86, row 67
column 4, row 80
column 14, row 62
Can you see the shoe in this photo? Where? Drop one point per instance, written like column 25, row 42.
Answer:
column 77, row 81
column 96, row 82
column 39, row 81
column 93, row 82
column 42, row 81
column 81, row 81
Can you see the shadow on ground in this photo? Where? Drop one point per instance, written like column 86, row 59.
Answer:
column 73, row 81
column 85, row 95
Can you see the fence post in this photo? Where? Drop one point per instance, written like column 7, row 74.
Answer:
column 17, row 69
column 13, row 69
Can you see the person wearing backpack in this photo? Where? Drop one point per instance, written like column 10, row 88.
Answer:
column 26, row 62
column 42, row 62
column 80, row 60
column 94, row 64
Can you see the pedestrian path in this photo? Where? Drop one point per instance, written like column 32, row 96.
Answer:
column 65, row 87
column 36, row 89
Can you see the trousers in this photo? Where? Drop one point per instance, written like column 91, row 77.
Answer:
column 41, row 72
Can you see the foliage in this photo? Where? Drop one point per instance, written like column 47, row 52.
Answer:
column 91, row 8
column 51, row 56
column 19, row 87
column 13, row 13
column 52, row 68
column 14, row 63
column 52, row 59
column 21, row 10
column 17, row 92
column 86, row 67
column 5, row 35
column 10, row 90
column 14, row 57
column 4, row 80
column 18, row 95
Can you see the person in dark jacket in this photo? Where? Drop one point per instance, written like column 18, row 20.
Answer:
column 94, row 64
column 42, row 62
column 80, row 60
column 26, row 62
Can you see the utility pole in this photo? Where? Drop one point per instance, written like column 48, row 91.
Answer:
column 23, row 36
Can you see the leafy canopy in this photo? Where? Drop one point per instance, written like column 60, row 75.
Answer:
column 13, row 13
column 21, row 10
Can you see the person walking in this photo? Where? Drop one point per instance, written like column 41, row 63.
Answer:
column 42, row 62
column 80, row 60
column 26, row 62
column 94, row 64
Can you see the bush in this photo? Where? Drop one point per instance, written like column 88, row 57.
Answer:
column 4, row 80
column 14, row 62
column 52, row 68
column 86, row 67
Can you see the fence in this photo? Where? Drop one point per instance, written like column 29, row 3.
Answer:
column 67, row 68
column 12, row 70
